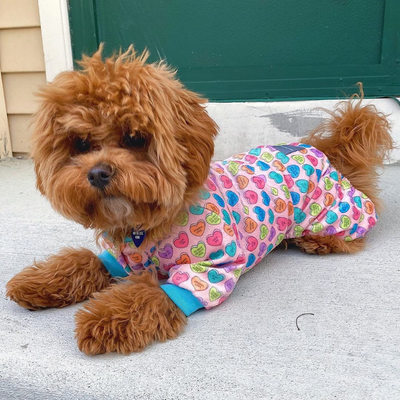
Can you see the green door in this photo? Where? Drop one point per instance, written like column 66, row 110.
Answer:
column 232, row 50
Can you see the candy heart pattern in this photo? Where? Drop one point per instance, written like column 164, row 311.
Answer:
column 247, row 206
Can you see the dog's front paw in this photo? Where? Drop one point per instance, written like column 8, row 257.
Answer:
column 127, row 317
column 66, row 278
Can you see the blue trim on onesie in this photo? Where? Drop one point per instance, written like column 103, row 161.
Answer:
column 183, row 298
column 112, row 265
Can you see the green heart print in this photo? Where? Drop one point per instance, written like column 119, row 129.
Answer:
column 213, row 219
column 345, row 222
column 183, row 218
column 315, row 209
column 199, row 250
column 298, row 158
column 298, row 230
column 263, row 232
column 328, row 183
column 268, row 157
column 233, row 167
column 317, row 227
column 214, row 294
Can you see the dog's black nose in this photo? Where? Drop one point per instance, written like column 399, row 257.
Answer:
column 100, row 175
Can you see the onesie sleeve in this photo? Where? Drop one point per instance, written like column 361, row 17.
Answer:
column 202, row 284
column 112, row 259
column 114, row 268
column 183, row 298
column 338, row 208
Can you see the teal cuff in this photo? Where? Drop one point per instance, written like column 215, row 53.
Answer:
column 112, row 265
column 183, row 298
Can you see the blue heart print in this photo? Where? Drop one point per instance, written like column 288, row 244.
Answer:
column 196, row 209
column 276, row 177
column 255, row 152
column 319, row 172
column 270, row 248
column 236, row 215
column 266, row 198
column 251, row 260
column 260, row 213
column 147, row 263
column 334, row 175
column 302, row 184
column 344, row 207
column 226, row 217
column 299, row 216
column 204, row 195
column 357, row 200
column 294, row 171
column 232, row 198
column 216, row 255
column 282, row 157
column 263, row 166
column 309, row 169
column 271, row 216
column 331, row 217
column 354, row 229
column 214, row 276
column 230, row 249
column 295, row 197
column 219, row 199
column 250, row 168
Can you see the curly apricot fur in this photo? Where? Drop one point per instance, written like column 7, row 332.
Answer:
column 128, row 317
column 357, row 141
column 69, row 277
column 149, row 186
column 99, row 103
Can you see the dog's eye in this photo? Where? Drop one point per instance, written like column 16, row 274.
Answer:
column 82, row 145
column 137, row 140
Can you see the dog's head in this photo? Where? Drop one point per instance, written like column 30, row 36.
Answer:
column 121, row 144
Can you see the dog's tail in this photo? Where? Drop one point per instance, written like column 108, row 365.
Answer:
column 356, row 140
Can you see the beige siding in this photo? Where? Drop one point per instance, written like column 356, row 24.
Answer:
column 21, row 50
column 20, row 125
column 19, row 89
column 21, row 67
column 5, row 141
column 19, row 13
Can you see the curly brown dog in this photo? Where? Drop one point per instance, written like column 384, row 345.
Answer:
column 122, row 147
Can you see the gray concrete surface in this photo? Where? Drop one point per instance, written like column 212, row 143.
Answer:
column 248, row 348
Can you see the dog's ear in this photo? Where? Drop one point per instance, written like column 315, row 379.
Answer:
column 47, row 148
column 196, row 132
column 39, row 181
column 41, row 146
column 182, row 114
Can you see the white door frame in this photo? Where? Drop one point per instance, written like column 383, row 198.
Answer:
column 56, row 37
